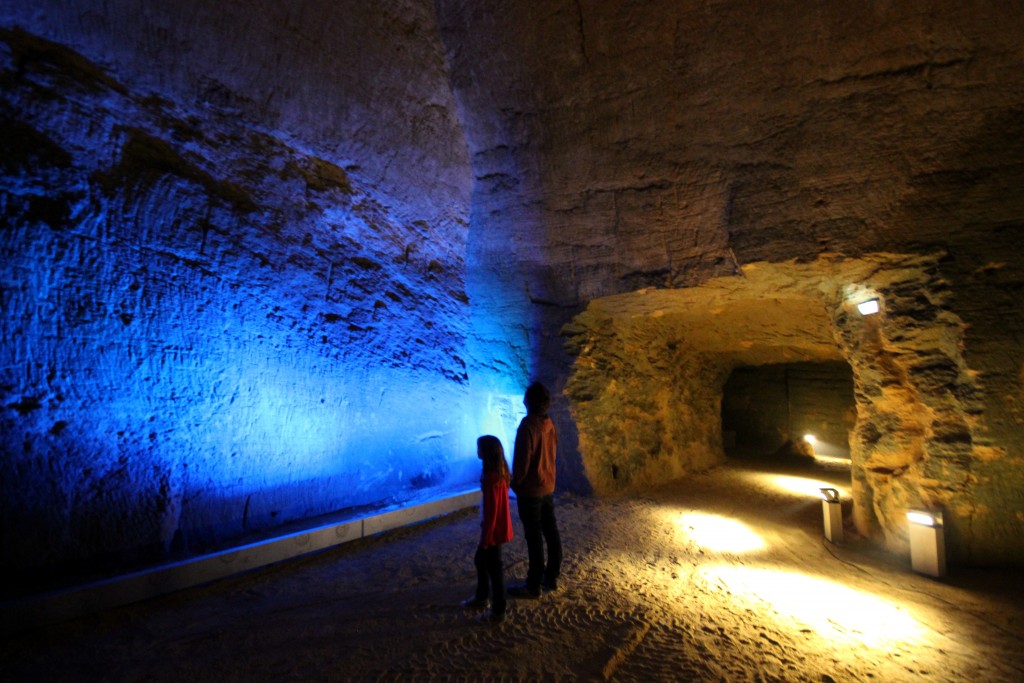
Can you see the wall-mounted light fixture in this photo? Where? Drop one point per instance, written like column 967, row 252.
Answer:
column 869, row 307
column 927, row 542
column 832, row 511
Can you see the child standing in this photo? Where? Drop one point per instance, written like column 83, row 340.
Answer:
column 495, row 528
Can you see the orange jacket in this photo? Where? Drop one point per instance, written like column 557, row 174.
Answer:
column 533, row 461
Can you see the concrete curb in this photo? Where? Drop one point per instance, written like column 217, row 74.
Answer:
column 48, row 608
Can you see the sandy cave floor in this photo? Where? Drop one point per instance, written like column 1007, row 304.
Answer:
column 723, row 576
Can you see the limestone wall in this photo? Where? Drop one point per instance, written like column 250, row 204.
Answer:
column 233, row 282
column 240, row 237
column 628, row 146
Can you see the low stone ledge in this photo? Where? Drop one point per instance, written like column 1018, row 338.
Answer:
column 39, row 610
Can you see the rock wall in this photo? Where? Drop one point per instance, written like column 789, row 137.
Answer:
column 233, row 275
column 263, row 260
column 923, row 438
column 620, row 147
column 646, row 402
column 651, row 365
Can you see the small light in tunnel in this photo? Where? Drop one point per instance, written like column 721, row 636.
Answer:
column 922, row 518
column 927, row 542
column 830, row 494
column 825, row 448
column 720, row 533
column 832, row 513
column 869, row 307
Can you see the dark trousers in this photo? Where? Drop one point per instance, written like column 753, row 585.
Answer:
column 540, row 527
column 490, row 577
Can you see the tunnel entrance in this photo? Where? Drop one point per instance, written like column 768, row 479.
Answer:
column 773, row 412
column 656, row 390
column 651, row 366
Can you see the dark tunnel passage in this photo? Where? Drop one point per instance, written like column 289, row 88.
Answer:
column 781, row 410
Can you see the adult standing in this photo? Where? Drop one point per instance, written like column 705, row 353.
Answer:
column 533, row 481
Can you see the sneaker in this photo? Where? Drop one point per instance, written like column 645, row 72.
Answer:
column 475, row 603
column 550, row 586
column 524, row 592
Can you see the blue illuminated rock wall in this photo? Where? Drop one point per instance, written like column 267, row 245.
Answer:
column 233, row 290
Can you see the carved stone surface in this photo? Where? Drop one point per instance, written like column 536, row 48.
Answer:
column 233, row 289
column 678, row 146
column 262, row 261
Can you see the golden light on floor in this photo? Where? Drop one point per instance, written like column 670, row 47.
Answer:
column 830, row 609
column 802, row 485
column 720, row 533
column 831, row 460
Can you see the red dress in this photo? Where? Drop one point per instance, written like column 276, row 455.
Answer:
column 496, row 525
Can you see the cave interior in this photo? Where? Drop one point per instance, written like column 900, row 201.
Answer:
column 266, row 263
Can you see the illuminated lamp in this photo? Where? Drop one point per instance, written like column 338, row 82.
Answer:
column 832, row 511
column 927, row 542
column 869, row 307
column 810, row 438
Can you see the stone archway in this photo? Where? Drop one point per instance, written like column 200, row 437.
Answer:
column 650, row 367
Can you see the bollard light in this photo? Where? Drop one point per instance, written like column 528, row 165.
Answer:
column 832, row 511
column 922, row 518
column 927, row 542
